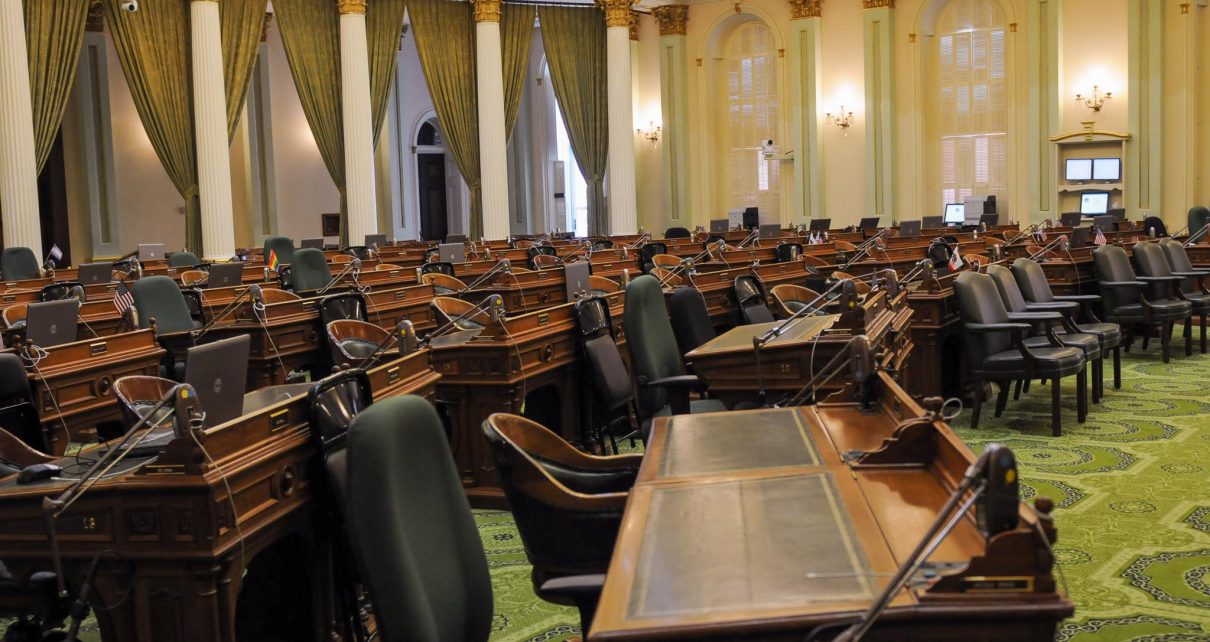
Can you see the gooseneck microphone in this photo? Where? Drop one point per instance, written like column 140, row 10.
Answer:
column 490, row 304
column 254, row 294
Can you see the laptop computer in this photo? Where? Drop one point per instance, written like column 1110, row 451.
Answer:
column 1118, row 213
column 909, row 228
column 1079, row 237
column 1104, row 222
column 719, row 225
column 52, row 323
column 151, row 251
column 576, row 277
column 218, row 371
column 770, row 231
column 990, row 220
column 821, row 224
column 452, row 252
column 313, row 243
column 376, row 240
column 225, row 275
column 932, row 222
column 868, row 222
column 1070, row 219
column 95, row 273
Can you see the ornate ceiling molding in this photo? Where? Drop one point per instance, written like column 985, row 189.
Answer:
column 800, row 9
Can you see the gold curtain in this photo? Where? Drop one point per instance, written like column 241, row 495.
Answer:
column 384, row 28
column 54, row 33
column 242, row 22
column 516, row 36
column 574, row 39
column 445, row 40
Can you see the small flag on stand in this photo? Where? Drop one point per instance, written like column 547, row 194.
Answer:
column 272, row 261
column 55, row 253
column 122, row 298
column 956, row 260
column 1100, row 238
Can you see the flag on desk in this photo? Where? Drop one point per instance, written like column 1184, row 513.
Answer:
column 956, row 262
column 55, row 253
column 1100, row 238
column 272, row 261
column 122, row 298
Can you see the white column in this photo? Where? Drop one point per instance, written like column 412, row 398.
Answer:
column 360, row 195
column 806, row 30
column 493, row 142
column 18, row 164
column 210, row 129
column 623, row 216
column 674, row 106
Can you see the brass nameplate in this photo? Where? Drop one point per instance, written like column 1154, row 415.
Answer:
column 9, row 298
column 543, row 275
column 543, row 319
column 309, row 305
column 607, row 266
column 97, row 348
column 393, row 375
column 164, row 469
column 279, row 419
column 401, row 294
column 998, row 584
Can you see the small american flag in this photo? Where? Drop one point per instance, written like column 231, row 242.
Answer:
column 1100, row 238
column 122, row 298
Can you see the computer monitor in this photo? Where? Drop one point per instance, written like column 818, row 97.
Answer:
column 990, row 220
column 376, row 240
column 955, row 213
column 770, row 231
column 225, row 275
column 218, row 371
column 868, row 222
column 1069, row 219
column 1103, row 223
column 821, row 224
column 312, row 243
column 1118, row 213
column 575, row 276
column 1078, row 169
column 95, row 273
column 909, row 228
column 452, row 252
column 751, row 218
column 1094, row 203
column 151, row 251
column 1106, row 169
column 1079, row 237
column 719, row 225
column 932, row 222
column 52, row 323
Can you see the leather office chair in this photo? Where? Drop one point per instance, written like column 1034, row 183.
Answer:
column 194, row 278
column 352, row 341
column 438, row 267
column 667, row 277
column 1126, row 301
column 14, row 315
column 283, row 246
column 522, row 244
column 666, row 261
column 600, row 286
column 62, row 290
column 1031, row 278
column 976, row 261
column 691, row 324
column 431, row 254
column 310, row 271
column 138, row 394
column 789, row 298
column 1192, row 284
column 567, row 505
column 663, row 383
column 341, row 259
column 159, row 298
column 342, row 306
column 677, row 233
column 18, row 455
column 387, row 267
column 997, row 351
column 448, row 308
column 843, row 246
column 539, row 250
column 274, row 295
column 753, row 300
column 1045, row 255
column 183, row 259
column 1199, row 216
column 18, row 413
column 712, row 241
column 788, row 252
column 647, row 252
column 443, row 284
column 612, row 395
column 1070, row 336
column 19, row 263
column 602, row 244
column 358, row 251
column 1154, row 226
column 814, row 261
column 1153, row 265
column 543, row 261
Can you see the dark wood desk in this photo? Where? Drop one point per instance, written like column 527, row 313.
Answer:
column 753, row 525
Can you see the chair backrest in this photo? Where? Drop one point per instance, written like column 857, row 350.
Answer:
column 690, row 319
column 543, row 261
column 341, row 259
column 653, row 346
column 979, row 302
column 1156, row 224
column 438, row 267
column 666, row 261
column 602, row 244
column 443, row 284
column 283, row 246
column 62, row 290
column 1031, row 278
column 15, row 313
column 1151, row 259
column 1178, row 258
column 1006, row 285
column 138, row 394
column 338, row 307
column 753, row 299
column 648, row 251
column 667, row 277
column 18, row 415
column 599, row 285
column 1199, row 216
column 276, row 295
column 159, row 298
column 611, row 381
column 449, row 308
column 411, row 528
column 194, row 277
column 19, row 263
column 183, row 259
column 431, row 253
column 358, row 251
column 1112, row 264
column 310, row 270
column 787, row 252
column 353, row 340
column 538, row 250
column 677, row 233
column 790, row 298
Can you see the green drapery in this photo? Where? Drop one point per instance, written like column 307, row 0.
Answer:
column 574, row 38
column 54, row 33
column 384, row 28
column 516, row 37
column 242, row 23
column 446, row 44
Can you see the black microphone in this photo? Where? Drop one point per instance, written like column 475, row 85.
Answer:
column 856, row 354
column 252, row 293
column 403, row 335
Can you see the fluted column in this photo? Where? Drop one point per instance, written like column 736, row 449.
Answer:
column 806, row 39
column 878, row 19
column 210, row 129
column 623, row 216
column 674, row 105
column 18, row 164
column 493, row 143
column 360, row 196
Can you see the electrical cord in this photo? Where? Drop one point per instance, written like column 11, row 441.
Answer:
column 239, row 533
column 34, row 355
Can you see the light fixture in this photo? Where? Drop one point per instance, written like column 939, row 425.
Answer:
column 842, row 119
column 652, row 133
column 1096, row 101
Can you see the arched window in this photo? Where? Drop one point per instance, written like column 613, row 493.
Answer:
column 750, row 70
column 972, row 102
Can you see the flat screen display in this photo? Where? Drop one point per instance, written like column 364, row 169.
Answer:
column 955, row 213
column 1106, row 169
column 1079, row 169
column 1094, row 203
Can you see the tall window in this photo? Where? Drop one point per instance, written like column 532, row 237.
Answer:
column 752, row 113
column 973, row 103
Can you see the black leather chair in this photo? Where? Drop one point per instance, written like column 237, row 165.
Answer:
column 18, row 414
column 567, row 505
column 997, row 352
column 310, row 270
column 183, row 259
column 63, row 290
column 345, row 305
column 431, row 254
column 19, row 264
column 677, row 233
column 539, row 250
column 753, row 299
column 663, row 383
column 648, row 251
column 1193, row 281
column 1031, row 278
column 690, row 319
column 1154, row 226
column 602, row 244
column 1199, row 216
column 359, row 251
column 611, row 393
column 787, row 252
column 438, row 267
column 281, row 245
column 1127, row 301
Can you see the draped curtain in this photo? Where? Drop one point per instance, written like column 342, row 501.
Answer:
column 574, row 38
column 516, row 36
column 54, row 33
column 154, row 51
column 384, row 29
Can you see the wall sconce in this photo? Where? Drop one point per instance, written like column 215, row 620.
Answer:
column 1096, row 101
column 652, row 133
column 842, row 119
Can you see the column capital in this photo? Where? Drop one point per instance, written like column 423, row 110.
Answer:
column 672, row 18
column 875, row 4
column 487, row 10
column 634, row 25
column 264, row 29
column 617, row 12
column 96, row 16
column 800, row 9
column 352, row 6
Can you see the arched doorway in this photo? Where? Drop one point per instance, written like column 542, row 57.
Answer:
column 429, row 148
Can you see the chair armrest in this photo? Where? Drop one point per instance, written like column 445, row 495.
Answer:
column 1192, row 274
column 1121, row 284
column 1159, row 279
column 1079, row 298
column 678, row 388
column 679, row 381
column 996, row 327
column 582, row 586
column 1055, row 306
column 1034, row 316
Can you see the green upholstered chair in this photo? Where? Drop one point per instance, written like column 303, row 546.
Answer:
column 310, row 270
column 283, row 246
column 663, row 383
column 411, row 529
column 159, row 298
column 1199, row 216
column 183, row 259
column 19, row 263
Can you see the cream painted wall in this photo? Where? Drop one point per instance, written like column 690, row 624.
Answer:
column 649, row 156
column 843, row 83
column 1094, row 52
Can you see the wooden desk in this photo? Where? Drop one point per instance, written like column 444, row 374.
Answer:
column 753, row 525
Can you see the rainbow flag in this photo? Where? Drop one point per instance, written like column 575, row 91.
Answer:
column 272, row 261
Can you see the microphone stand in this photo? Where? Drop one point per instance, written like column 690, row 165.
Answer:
column 1196, row 236
column 639, row 242
column 253, row 293
column 1022, row 234
column 490, row 303
column 353, row 267
column 402, row 330
column 776, row 331
column 502, row 266
column 863, row 250
column 858, row 350
column 1048, row 247
column 748, row 239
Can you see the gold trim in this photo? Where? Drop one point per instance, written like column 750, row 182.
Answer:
column 487, row 10
column 1184, row 7
column 876, row 4
column 1012, row 27
column 617, row 12
column 96, row 16
column 352, row 6
column 1089, row 133
column 634, row 25
column 672, row 18
column 801, row 9
column 912, row 38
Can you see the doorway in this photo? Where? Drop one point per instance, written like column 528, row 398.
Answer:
column 431, row 182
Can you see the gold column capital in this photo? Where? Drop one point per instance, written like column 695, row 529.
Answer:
column 96, row 16
column 875, row 4
column 672, row 18
column 800, row 9
column 617, row 12
column 264, row 30
column 634, row 25
column 487, row 10
column 352, row 6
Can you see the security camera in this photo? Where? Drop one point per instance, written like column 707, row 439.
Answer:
column 768, row 143
column 130, row 6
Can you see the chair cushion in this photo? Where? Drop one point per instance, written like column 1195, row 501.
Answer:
column 1110, row 333
column 1164, row 309
column 162, row 416
column 1088, row 343
column 1199, row 300
column 358, row 348
column 1051, row 362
